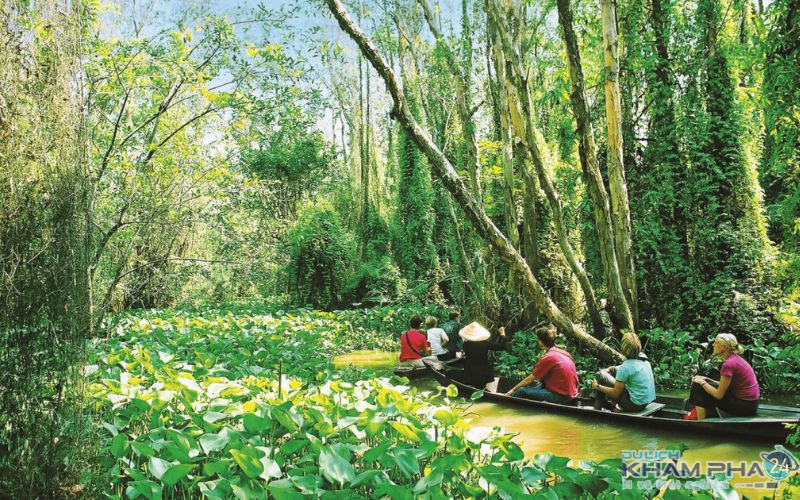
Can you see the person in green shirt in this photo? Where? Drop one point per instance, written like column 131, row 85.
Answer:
column 451, row 327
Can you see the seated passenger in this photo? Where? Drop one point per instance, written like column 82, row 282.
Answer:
column 437, row 338
column 478, row 370
column 630, row 384
column 413, row 345
column 451, row 327
column 555, row 372
column 737, row 390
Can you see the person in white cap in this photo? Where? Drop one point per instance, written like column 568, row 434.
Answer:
column 478, row 369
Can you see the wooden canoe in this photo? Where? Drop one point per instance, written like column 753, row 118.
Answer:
column 417, row 372
column 666, row 413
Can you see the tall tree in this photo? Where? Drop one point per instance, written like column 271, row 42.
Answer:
column 522, row 117
column 620, row 209
column 728, row 232
column 620, row 309
column 450, row 178
column 661, row 226
column 780, row 161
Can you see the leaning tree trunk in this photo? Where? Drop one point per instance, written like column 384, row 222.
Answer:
column 620, row 310
column 621, row 212
column 450, row 178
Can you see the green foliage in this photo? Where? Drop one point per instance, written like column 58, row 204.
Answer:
column 321, row 254
column 413, row 219
column 780, row 161
column 44, row 303
column 293, row 158
column 729, row 250
column 191, row 404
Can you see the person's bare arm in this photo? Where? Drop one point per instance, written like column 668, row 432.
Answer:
column 719, row 391
column 523, row 383
column 612, row 392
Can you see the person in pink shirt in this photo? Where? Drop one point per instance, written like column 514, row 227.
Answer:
column 554, row 377
column 736, row 392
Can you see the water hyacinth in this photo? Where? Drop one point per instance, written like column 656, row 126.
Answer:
column 241, row 403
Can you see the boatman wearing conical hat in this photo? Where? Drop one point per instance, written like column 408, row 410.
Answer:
column 478, row 369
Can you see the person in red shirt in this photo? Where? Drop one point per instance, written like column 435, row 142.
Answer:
column 414, row 344
column 555, row 372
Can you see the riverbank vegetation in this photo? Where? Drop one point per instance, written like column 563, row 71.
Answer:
column 603, row 166
column 243, row 401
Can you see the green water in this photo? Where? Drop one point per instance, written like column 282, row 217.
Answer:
column 583, row 438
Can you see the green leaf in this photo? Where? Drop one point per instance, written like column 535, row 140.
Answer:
column 248, row 491
column 335, row 468
column 425, row 483
column 476, row 395
column 213, row 442
column 406, row 461
column 591, row 484
column 394, row 491
column 532, row 475
column 213, row 417
column 248, row 461
column 555, row 464
column 118, row 445
column 451, row 391
column 142, row 449
column 365, row 478
column 445, row 416
column 158, row 467
column 406, row 430
column 284, row 489
column 147, row 489
column 176, row 473
column 219, row 467
column 255, row 424
column 377, row 452
column 568, row 490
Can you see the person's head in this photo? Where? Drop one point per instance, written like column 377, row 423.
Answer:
column 547, row 336
column 431, row 322
column 726, row 344
column 415, row 321
column 631, row 345
column 454, row 315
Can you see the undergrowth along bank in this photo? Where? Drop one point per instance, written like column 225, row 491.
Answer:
column 243, row 401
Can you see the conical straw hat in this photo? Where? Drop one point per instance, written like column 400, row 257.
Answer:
column 474, row 332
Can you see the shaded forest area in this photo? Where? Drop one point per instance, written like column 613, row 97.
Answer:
column 603, row 166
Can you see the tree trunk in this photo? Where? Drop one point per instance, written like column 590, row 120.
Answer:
column 521, row 112
column 620, row 210
column 507, row 140
column 450, row 178
column 621, row 313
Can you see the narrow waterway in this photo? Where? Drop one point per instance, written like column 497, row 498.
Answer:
column 582, row 438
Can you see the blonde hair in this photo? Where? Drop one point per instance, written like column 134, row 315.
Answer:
column 729, row 341
column 631, row 345
column 431, row 321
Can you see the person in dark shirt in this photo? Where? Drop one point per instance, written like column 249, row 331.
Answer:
column 451, row 327
column 478, row 369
